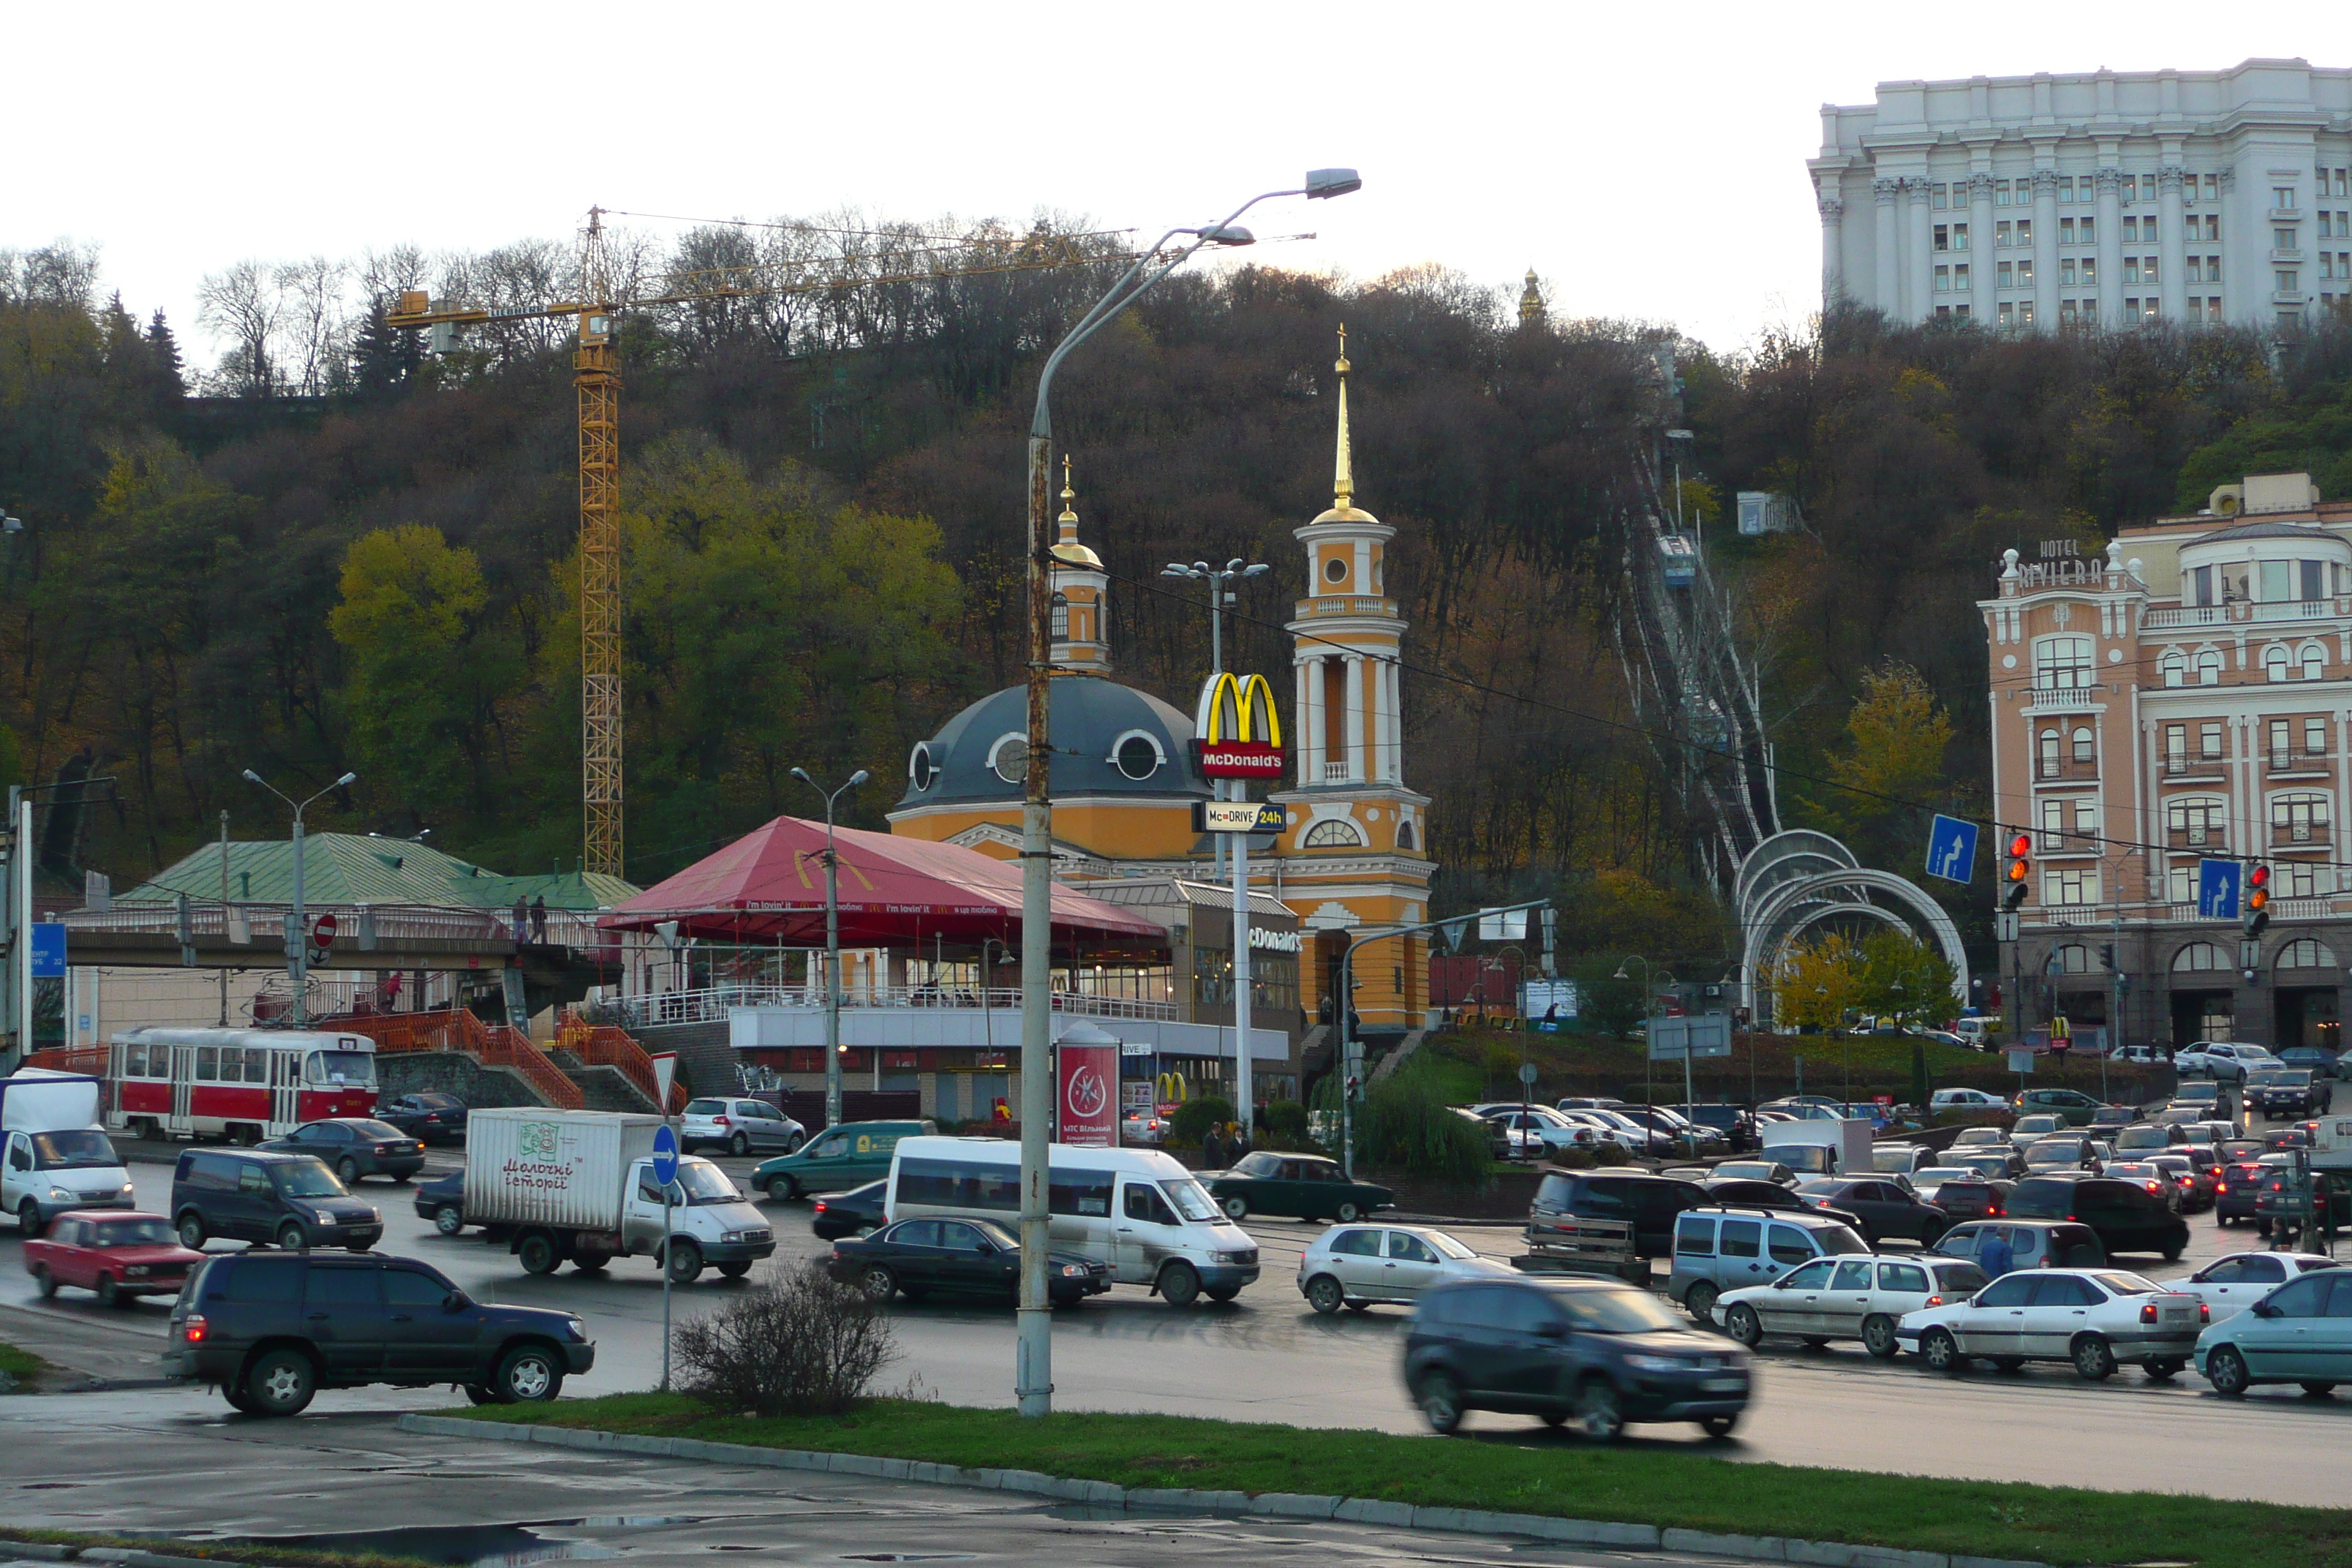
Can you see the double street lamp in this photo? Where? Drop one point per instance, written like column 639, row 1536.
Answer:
column 831, row 943
column 297, row 929
column 1033, row 1372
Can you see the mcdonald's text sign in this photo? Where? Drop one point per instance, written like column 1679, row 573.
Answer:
column 1238, row 760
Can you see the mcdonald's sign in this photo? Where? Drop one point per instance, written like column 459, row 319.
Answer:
column 1238, row 731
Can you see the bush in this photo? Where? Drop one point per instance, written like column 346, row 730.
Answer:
column 1405, row 1123
column 1612, row 1154
column 1576, row 1158
column 1195, row 1117
column 1285, row 1126
column 803, row 1345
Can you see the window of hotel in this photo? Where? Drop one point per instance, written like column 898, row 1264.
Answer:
column 2213, row 308
column 2196, row 270
column 2200, row 956
column 2007, row 315
column 2086, row 816
column 2282, row 198
column 2274, row 662
column 2175, row 664
column 2067, row 271
column 2067, row 314
column 2001, row 191
column 1960, row 279
column 1943, row 279
column 2279, row 731
column 2087, row 230
column 1943, row 236
column 2065, row 187
column 2002, row 277
column 2212, row 187
column 2287, row 283
column 2272, row 581
column 2299, row 819
column 2131, row 268
column 2194, row 824
column 2313, row 660
column 2208, row 737
column 1959, row 236
column 2063, row 663
column 2024, row 231
column 2049, row 751
column 2306, row 880
column 2131, row 231
column 2090, row 272
column 2209, row 670
column 2283, row 238
column 2072, row 959
column 1936, row 196
column 2081, row 745
column 2053, row 823
column 2175, row 742
column 2315, row 737
column 2213, row 269
column 2025, row 307
column 2184, row 884
column 2073, row 885
column 2000, row 232
column 2065, row 231
column 2025, row 276
column 2148, row 274
column 2201, row 586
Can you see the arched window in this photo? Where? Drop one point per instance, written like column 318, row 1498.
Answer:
column 1404, row 836
column 2298, row 819
column 2063, row 663
column 2083, row 752
column 2314, row 661
column 2195, row 822
column 1136, row 755
column 2175, row 667
column 2208, row 667
column 2198, row 957
column 1061, row 619
column 2072, row 959
column 2274, row 662
column 2306, row 954
column 1333, row 833
column 2048, row 753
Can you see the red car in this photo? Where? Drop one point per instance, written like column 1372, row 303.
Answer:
column 121, row 1254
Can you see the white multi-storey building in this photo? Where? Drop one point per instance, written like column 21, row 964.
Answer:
column 2106, row 199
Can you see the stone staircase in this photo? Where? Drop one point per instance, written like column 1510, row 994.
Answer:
column 705, row 1053
column 600, row 1087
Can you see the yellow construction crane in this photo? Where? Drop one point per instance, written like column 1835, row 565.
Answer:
column 596, row 372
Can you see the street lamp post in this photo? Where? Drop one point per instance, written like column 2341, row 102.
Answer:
column 1033, row 1366
column 831, row 944
column 1649, row 1043
column 1220, row 580
column 297, row 930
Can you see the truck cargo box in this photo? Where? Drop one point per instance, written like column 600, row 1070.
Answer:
column 526, row 1165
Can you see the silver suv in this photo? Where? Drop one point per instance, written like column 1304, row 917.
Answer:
column 1731, row 1248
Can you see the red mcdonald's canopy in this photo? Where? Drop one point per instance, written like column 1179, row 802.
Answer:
column 769, row 886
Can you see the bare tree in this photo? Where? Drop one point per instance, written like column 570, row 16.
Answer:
column 242, row 304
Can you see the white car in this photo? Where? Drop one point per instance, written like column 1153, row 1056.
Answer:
column 739, row 1126
column 1537, row 1130
column 1357, row 1266
column 1964, row 1100
column 1846, row 1298
column 1925, row 1180
column 2040, row 1124
column 1140, row 1128
column 2227, row 1286
column 2225, row 1060
column 1611, row 1128
column 2093, row 1318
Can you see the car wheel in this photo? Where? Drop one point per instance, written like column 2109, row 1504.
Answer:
column 2159, row 1369
column 450, row 1219
column 1440, row 1398
column 1237, row 1207
column 1323, row 1294
column 1742, row 1323
column 349, row 1169
column 740, row 1145
column 235, row 1394
column 1350, row 1212
column 878, row 1283
column 783, row 1189
column 292, row 1238
column 2094, row 1358
column 1180, row 1284
column 1717, row 1425
column 191, row 1232
column 685, row 1261
column 46, row 1281
column 1941, row 1352
column 1878, row 1336
column 1699, row 1301
column 2173, row 1250
column 1600, row 1413
column 281, row 1383
column 529, row 1376
column 2320, row 1390
column 537, row 1255
column 481, row 1394
column 735, row 1270
column 111, row 1294
column 2225, row 1369
column 793, row 1143
column 28, row 1217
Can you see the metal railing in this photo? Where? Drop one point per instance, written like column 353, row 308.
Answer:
column 712, row 1004
column 2290, row 760
column 601, row 1044
column 1338, row 772
column 492, row 1045
column 2067, row 768
column 266, row 923
column 2299, row 833
column 2196, row 838
column 2179, row 764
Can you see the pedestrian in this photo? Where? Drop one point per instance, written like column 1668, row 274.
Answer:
column 1995, row 1256
column 538, row 918
column 1213, row 1150
column 522, row 918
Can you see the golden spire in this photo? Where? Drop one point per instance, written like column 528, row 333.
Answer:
column 1070, row 513
column 1343, row 478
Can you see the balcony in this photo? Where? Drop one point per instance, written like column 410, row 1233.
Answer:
column 2289, row 761
column 2062, row 700
column 2203, row 765
column 2297, row 610
column 2067, row 843
column 2299, row 835
column 1347, row 605
column 1339, row 773
column 2242, row 611
column 2055, row 770
column 2188, row 616
column 2207, row 840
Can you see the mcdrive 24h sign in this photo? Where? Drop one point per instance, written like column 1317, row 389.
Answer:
column 1238, row 734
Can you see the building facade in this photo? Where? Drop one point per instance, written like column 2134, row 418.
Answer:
column 2105, row 198
column 2187, row 698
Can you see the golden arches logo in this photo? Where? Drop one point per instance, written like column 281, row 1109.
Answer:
column 1230, row 708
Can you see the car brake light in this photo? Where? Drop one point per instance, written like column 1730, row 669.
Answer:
column 1935, row 1301
column 2204, row 1312
column 719, row 1122
column 2147, row 1312
column 2070, row 1219
column 820, row 1206
column 193, row 1329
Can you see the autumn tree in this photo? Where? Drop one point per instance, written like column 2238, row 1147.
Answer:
column 1892, row 768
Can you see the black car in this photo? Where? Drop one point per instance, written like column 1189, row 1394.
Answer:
column 2126, row 1216
column 2288, row 1092
column 837, row 1214
column 270, row 1329
column 1973, row 1197
column 1595, row 1352
column 356, row 1146
column 442, row 1200
column 2233, row 1195
column 1650, row 1202
column 435, row 1118
column 258, row 1195
column 2312, row 1059
column 957, row 1256
column 1885, row 1208
column 1737, row 1125
column 1746, row 1193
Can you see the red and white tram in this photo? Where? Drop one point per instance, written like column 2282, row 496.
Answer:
column 245, row 1084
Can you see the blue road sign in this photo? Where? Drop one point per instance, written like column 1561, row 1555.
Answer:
column 49, row 951
column 1952, row 849
column 2217, row 889
column 665, row 1155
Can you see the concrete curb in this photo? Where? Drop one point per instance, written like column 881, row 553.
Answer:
column 1265, row 1505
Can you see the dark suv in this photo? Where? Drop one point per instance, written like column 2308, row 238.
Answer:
column 1737, row 1125
column 1595, row 1352
column 271, row 1328
column 289, row 1199
column 1650, row 1202
column 2126, row 1216
column 2287, row 1091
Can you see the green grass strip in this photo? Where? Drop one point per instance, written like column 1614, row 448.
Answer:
column 1524, row 1472
column 221, row 1550
column 22, row 1365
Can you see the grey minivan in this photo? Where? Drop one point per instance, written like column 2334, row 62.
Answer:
column 1719, row 1249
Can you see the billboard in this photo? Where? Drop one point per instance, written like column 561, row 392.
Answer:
column 1085, row 1094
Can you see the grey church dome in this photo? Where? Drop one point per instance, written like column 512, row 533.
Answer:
column 1108, row 740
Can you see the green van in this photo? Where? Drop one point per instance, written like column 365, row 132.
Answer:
column 838, row 1159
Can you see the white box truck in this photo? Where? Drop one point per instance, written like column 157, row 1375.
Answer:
column 578, row 1186
column 57, row 1154
column 1826, row 1146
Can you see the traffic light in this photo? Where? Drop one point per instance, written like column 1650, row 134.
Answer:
column 2258, row 898
column 2108, row 956
column 2020, row 871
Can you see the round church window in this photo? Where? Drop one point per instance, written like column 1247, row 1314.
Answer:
column 920, row 769
column 1336, row 569
column 1137, row 757
column 1011, row 761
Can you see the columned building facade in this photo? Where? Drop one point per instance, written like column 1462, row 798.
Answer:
column 2106, row 199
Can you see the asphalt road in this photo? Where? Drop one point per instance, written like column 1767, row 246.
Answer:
column 1268, row 1357
column 181, row 1466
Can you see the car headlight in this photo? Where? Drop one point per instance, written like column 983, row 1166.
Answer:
column 60, row 1194
column 1073, row 1271
column 576, row 1329
column 736, row 1236
column 1233, row 1257
column 1656, row 1363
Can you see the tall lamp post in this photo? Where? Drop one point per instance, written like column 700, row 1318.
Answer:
column 831, row 943
column 1648, row 995
column 298, row 930
column 1032, row 1379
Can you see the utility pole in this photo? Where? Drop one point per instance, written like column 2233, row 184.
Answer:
column 831, row 944
column 223, row 907
column 298, row 930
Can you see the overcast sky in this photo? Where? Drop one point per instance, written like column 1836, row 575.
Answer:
column 1648, row 160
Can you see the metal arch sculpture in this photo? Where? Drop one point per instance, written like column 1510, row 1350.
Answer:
column 1775, row 915
column 1796, row 847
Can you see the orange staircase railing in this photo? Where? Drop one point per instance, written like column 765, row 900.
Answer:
column 492, row 1045
column 95, row 1061
column 601, row 1044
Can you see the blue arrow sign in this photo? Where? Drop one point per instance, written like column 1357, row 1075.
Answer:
column 2217, row 889
column 665, row 1155
column 49, row 951
column 1952, row 849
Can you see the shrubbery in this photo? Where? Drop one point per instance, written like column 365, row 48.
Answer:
column 803, row 1345
column 1404, row 1123
column 1194, row 1119
column 1612, row 1154
column 1575, row 1157
column 1285, row 1126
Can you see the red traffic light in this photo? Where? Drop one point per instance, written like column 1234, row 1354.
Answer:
column 2021, row 845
